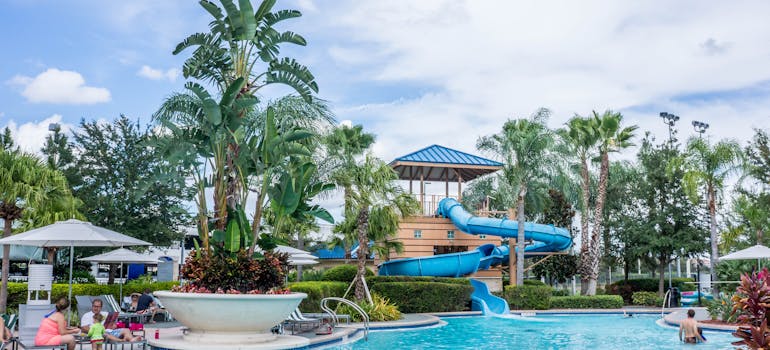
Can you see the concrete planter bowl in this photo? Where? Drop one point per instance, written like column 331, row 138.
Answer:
column 229, row 318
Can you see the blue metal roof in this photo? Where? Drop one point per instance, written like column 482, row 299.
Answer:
column 444, row 155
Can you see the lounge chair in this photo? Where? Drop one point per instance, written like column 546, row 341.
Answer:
column 297, row 320
column 111, row 305
column 30, row 317
column 10, row 321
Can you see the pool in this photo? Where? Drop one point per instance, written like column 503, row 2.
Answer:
column 540, row 332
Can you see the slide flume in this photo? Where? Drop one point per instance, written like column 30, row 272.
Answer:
column 548, row 238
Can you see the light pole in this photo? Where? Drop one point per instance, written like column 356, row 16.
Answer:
column 670, row 119
column 700, row 127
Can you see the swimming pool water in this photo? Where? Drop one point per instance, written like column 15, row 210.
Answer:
column 540, row 332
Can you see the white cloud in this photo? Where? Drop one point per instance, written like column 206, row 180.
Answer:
column 30, row 137
column 481, row 63
column 59, row 86
column 158, row 74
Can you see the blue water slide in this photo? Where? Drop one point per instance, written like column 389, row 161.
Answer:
column 487, row 303
column 548, row 238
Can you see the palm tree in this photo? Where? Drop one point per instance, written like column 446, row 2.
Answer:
column 344, row 144
column 29, row 190
column 707, row 166
column 581, row 138
column 524, row 146
column 241, row 39
column 612, row 137
column 377, row 205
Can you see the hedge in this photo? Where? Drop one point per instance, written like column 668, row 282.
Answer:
column 343, row 273
column 17, row 292
column 534, row 283
column 415, row 297
column 371, row 281
column 587, row 302
column 646, row 298
column 317, row 290
column 528, row 297
column 627, row 288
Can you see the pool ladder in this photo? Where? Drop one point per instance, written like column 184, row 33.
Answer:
column 325, row 307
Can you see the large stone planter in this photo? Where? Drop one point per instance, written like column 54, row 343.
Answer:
column 229, row 318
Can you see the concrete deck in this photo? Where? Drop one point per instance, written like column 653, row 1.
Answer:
column 677, row 315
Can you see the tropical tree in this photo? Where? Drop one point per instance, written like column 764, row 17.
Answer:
column 6, row 140
column 241, row 39
column 612, row 137
column 706, row 168
column 378, row 204
column 344, row 145
column 29, row 189
column 581, row 136
column 525, row 147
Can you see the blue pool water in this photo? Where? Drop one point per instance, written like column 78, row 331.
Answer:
column 540, row 332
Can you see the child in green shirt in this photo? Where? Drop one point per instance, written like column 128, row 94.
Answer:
column 96, row 332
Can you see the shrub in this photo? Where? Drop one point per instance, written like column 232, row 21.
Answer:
column 343, row 273
column 17, row 292
column 381, row 310
column 559, row 292
column 528, row 297
column 627, row 288
column 722, row 309
column 310, row 275
column 414, row 297
column 533, row 283
column 587, row 302
column 78, row 276
column 647, row 298
column 317, row 290
column 371, row 281
column 220, row 272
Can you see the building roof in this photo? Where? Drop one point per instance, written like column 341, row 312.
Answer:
column 439, row 163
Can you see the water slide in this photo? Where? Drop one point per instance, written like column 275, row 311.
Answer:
column 547, row 239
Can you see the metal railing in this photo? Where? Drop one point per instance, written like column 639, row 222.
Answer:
column 665, row 300
column 364, row 315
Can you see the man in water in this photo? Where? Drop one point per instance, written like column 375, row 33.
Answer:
column 690, row 328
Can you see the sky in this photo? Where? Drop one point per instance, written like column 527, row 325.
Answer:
column 415, row 73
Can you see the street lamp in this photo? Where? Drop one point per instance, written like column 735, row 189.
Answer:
column 700, row 127
column 670, row 119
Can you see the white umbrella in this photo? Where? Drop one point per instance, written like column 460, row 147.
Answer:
column 303, row 257
column 756, row 252
column 121, row 256
column 72, row 233
column 302, row 262
column 289, row 250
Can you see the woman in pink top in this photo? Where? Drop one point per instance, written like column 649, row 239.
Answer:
column 54, row 330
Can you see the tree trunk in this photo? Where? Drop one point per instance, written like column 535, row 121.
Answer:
column 597, row 229
column 662, row 277
column 585, row 264
column 363, row 245
column 51, row 255
column 5, row 268
column 713, row 236
column 520, row 217
column 300, row 245
column 511, row 250
column 111, row 274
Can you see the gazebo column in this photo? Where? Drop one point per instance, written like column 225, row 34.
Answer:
column 422, row 190
column 459, row 186
column 446, row 183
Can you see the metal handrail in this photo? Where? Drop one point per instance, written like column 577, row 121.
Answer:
column 355, row 306
column 665, row 298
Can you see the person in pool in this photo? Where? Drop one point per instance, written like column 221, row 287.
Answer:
column 690, row 329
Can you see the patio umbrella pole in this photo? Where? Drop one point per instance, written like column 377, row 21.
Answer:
column 72, row 258
column 121, row 283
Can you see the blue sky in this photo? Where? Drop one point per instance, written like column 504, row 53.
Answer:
column 413, row 72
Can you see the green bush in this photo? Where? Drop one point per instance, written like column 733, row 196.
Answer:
column 382, row 310
column 533, row 283
column 17, row 292
column 647, row 298
column 371, row 281
column 413, row 297
column 559, row 293
column 528, row 297
column 310, row 275
column 626, row 289
column 343, row 273
column 722, row 309
column 587, row 302
column 317, row 290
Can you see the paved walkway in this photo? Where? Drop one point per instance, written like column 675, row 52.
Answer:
column 675, row 318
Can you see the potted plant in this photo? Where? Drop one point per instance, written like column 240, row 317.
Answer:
column 230, row 146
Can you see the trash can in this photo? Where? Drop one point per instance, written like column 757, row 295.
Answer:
column 674, row 297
